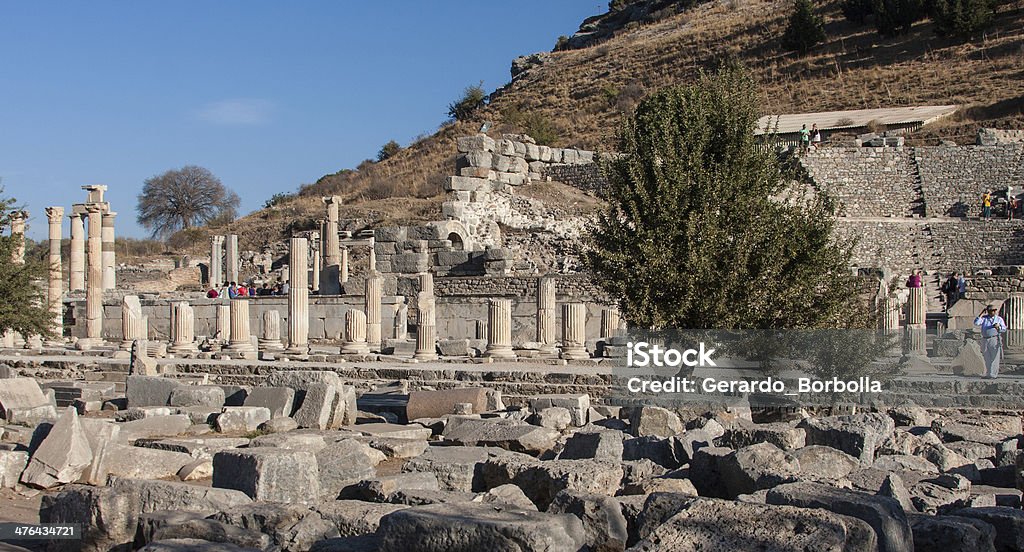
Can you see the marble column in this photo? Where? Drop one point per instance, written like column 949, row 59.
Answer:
column 916, row 329
column 131, row 321
column 18, row 219
column 374, row 290
column 546, row 315
column 94, row 283
column 216, row 261
column 241, row 337
column 889, row 317
column 1013, row 314
column 609, row 322
column 108, row 255
column 270, row 337
column 426, row 331
column 231, row 258
column 183, row 329
column 298, row 297
column 76, row 267
column 317, row 245
column 355, row 333
column 343, row 267
column 223, row 330
column 499, row 329
column 401, row 332
column 330, row 282
column 371, row 263
column 55, row 216
column 574, row 331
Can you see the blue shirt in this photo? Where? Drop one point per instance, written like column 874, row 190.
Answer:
column 990, row 325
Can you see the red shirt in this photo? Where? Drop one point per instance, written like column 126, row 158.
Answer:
column 212, row 294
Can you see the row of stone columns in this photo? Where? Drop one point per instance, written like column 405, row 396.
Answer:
column 223, row 259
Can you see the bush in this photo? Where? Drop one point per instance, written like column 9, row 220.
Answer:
column 893, row 17
column 534, row 123
column 388, row 150
column 805, row 29
column 277, row 199
column 963, row 18
column 473, row 98
column 857, row 11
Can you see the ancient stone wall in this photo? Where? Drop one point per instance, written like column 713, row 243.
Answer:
column 869, row 182
column 584, row 177
column 954, row 177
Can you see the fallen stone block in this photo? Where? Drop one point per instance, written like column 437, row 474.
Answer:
column 150, row 523
column 138, row 463
column 541, row 481
column 1008, row 524
column 242, row 419
column 600, row 445
column 213, row 531
column 343, row 463
column 664, row 452
column 32, row 416
column 989, row 430
column 577, row 404
column 394, row 431
column 192, row 545
column 278, row 425
column 317, row 406
column 343, row 407
column 62, row 456
column 743, row 433
column 951, row 533
column 311, row 442
column 456, row 468
column 279, row 400
column 292, row 527
column 507, row 494
column 12, row 463
column 603, row 522
column 422, row 497
column 819, row 462
column 269, row 474
column 380, row 489
column 506, row 434
column 398, row 448
column 434, row 404
column 204, row 447
column 930, row 498
column 473, row 526
column 158, row 426
column 857, row 435
column 20, row 394
column 753, row 468
column 150, row 390
column 900, row 462
column 353, row 518
column 706, row 470
column 883, row 514
column 556, row 417
column 210, row 396
column 653, row 420
column 152, row 496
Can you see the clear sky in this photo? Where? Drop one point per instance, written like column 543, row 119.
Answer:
column 267, row 95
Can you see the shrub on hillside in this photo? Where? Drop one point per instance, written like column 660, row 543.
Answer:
column 805, row 29
column 473, row 98
column 857, row 11
column 963, row 18
column 388, row 150
column 893, row 17
column 277, row 199
column 531, row 122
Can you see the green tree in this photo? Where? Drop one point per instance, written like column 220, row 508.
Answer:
column 183, row 198
column 857, row 11
column 963, row 18
column 473, row 97
column 388, row 150
column 893, row 17
column 805, row 29
column 696, row 234
column 23, row 308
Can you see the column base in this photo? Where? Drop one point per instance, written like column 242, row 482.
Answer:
column 355, row 348
column 574, row 353
column 500, row 351
column 88, row 343
column 425, row 356
column 243, row 347
column 183, row 348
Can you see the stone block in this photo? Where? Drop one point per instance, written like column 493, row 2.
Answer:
column 857, row 435
column 395, row 431
column 279, row 400
column 951, row 533
column 542, row 480
column 317, row 406
column 12, row 463
column 653, row 420
column 62, row 456
column 478, row 159
column 381, row 489
column 464, row 184
column 434, row 404
column 344, row 408
column 479, row 142
column 137, row 463
column 506, row 434
column 20, row 394
column 603, row 522
column 969, row 361
column 149, row 390
column 1008, row 524
column 532, row 152
column 599, row 445
column 242, row 419
column 744, row 433
column 356, row 517
column 577, row 404
column 455, row 348
column 557, row 418
column 477, row 172
column 456, row 468
column 343, row 463
column 210, row 396
column 823, row 463
column 218, row 536
column 269, row 474
column 157, row 426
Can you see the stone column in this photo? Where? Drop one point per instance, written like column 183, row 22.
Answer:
column 298, row 297
column 574, row 331
column 131, row 322
column 1013, row 314
column 330, row 283
column 55, row 216
column 371, row 264
column 216, row 261
column 609, row 322
column 270, row 337
column 355, row 333
column 426, row 332
column 109, row 256
column 241, row 337
column 77, row 257
column 317, row 265
column 546, row 315
column 223, row 329
column 916, row 329
column 401, row 332
column 183, row 329
column 94, row 284
column 374, row 284
column 343, row 268
column 889, row 317
column 231, row 258
column 499, row 329
column 18, row 219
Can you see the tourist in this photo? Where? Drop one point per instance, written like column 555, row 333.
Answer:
column 252, row 289
column 961, row 287
column 815, row 136
column 241, row 291
column 212, row 293
column 285, row 288
column 805, row 138
column 277, row 290
column 265, row 290
column 915, row 280
column 232, row 291
column 1011, row 207
column 986, row 205
column 951, row 289
column 992, row 328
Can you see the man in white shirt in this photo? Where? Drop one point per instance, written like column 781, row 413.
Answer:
column 992, row 328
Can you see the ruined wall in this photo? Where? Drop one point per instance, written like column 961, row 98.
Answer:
column 954, row 177
column 869, row 182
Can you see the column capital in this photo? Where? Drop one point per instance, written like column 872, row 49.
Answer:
column 55, row 214
column 91, row 208
column 331, row 200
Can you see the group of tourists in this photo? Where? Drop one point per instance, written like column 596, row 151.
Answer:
column 809, row 138
column 1012, row 205
column 231, row 290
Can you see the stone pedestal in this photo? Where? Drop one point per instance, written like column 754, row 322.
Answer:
column 916, row 331
column 216, row 261
column 355, row 333
column 131, row 322
column 298, row 297
column 499, row 329
column 426, row 332
column 270, row 337
column 574, row 331
column 77, row 257
column 231, row 258
column 55, row 217
column 223, row 330
column 94, row 284
column 241, row 338
column 546, row 315
column 1013, row 314
column 330, row 279
column 108, row 255
column 374, row 293
column 183, row 329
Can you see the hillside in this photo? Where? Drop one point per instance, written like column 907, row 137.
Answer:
column 579, row 95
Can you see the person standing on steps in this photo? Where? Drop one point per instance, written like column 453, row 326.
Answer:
column 915, row 280
column 986, row 205
column 961, row 287
column 951, row 289
column 815, row 136
column 992, row 329
column 805, row 138
column 1011, row 207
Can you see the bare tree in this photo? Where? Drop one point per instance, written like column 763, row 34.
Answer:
column 183, row 198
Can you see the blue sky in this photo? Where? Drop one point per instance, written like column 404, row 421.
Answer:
column 267, row 95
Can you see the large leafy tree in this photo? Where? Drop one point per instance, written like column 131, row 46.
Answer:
column 705, row 227
column 23, row 307
column 183, row 198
